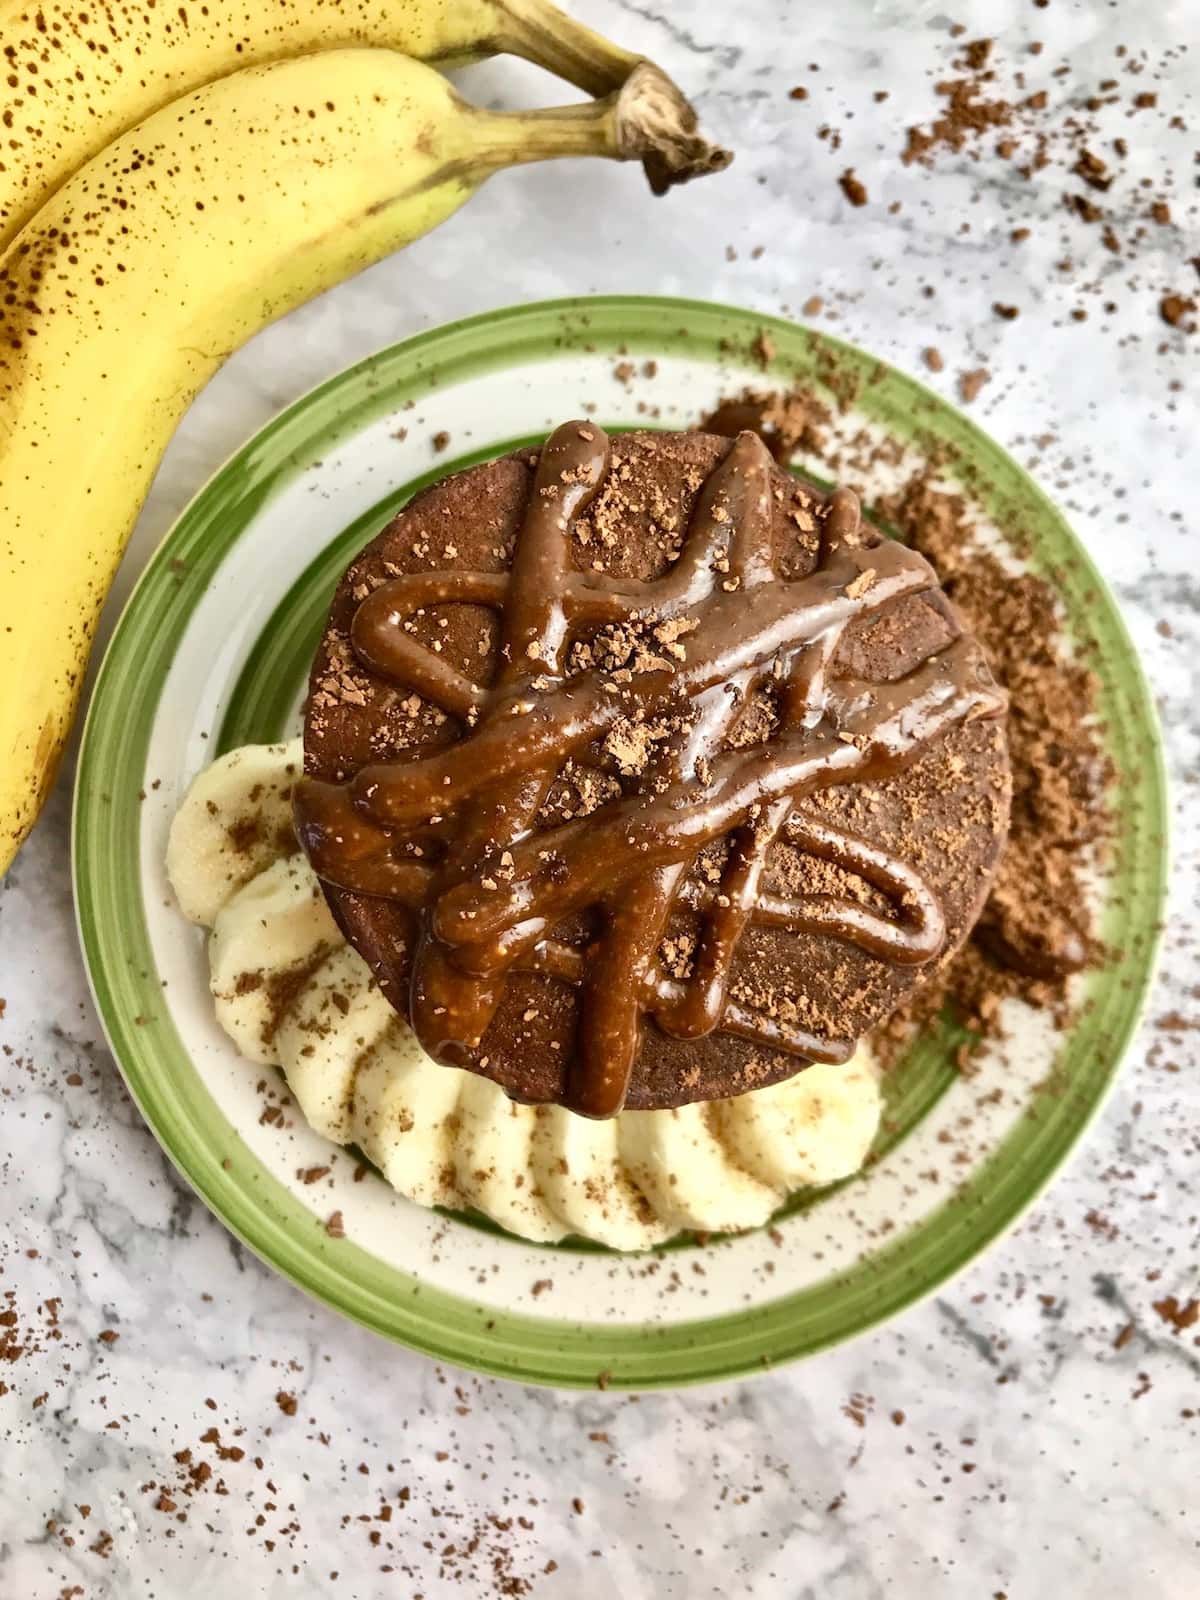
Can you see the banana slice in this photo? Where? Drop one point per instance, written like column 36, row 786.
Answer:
column 235, row 820
column 577, row 1166
column 338, row 1016
column 807, row 1131
column 493, row 1161
column 681, row 1167
column 404, row 1116
column 265, row 943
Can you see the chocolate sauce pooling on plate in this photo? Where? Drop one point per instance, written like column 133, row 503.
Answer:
column 452, row 834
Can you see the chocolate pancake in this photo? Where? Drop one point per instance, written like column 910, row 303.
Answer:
column 642, row 773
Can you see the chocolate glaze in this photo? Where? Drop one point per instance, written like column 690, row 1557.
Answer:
column 453, row 835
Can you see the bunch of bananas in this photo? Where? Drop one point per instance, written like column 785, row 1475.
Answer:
column 172, row 178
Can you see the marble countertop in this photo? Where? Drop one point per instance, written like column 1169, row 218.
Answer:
column 1037, row 1423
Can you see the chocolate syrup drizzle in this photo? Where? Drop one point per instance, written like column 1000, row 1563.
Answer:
column 498, row 884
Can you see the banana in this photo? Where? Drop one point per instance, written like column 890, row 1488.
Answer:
column 687, row 1175
column 336, row 1018
column 404, row 1116
column 577, row 1166
column 79, row 77
column 140, row 275
column 266, row 939
column 236, row 820
column 492, row 1161
column 289, row 990
column 810, row 1130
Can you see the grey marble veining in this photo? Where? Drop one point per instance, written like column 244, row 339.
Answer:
column 1032, row 1428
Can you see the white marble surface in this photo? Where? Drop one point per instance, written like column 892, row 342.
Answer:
column 1033, row 1453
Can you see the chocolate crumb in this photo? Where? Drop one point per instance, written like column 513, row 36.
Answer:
column 852, row 188
column 1180, row 1316
column 1176, row 311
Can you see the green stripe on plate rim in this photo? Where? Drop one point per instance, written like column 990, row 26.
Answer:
column 204, row 1145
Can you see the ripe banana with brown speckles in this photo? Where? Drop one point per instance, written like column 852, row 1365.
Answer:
column 218, row 214
column 77, row 76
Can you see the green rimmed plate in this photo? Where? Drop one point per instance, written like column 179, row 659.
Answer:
column 212, row 651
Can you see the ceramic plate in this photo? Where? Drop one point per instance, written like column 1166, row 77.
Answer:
column 213, row 650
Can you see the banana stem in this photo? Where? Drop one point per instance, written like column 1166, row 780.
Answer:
column 542, row 33
column 646, row 120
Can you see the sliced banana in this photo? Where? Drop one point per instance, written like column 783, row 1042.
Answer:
column 266, row 941
column 493, row 1161
column 685, row 1172
column 808, row 1131
column 337, row 1016
column 577, row 1166
column 235, row 820
column 404, row 1116
column 288, row 989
